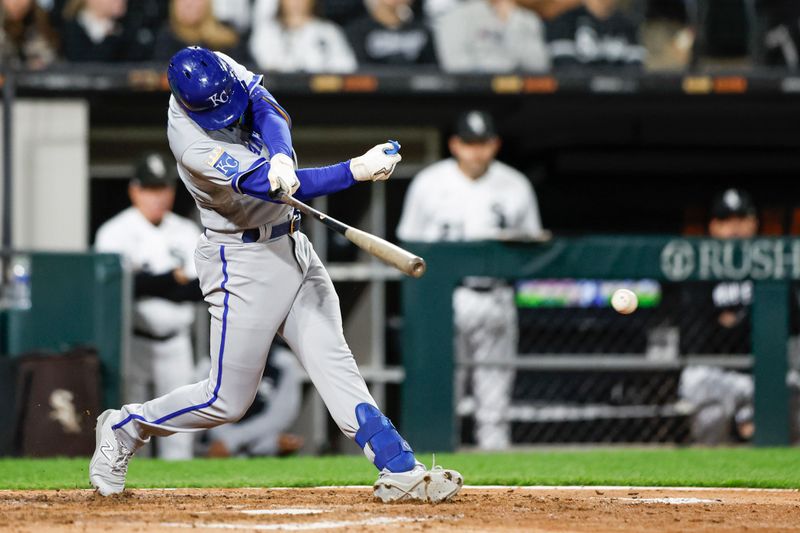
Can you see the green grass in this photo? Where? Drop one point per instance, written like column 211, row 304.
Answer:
column 736, row 467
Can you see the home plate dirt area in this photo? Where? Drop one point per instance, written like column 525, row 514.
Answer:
column 531, row 509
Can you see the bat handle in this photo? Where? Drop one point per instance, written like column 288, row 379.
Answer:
column 394, row 149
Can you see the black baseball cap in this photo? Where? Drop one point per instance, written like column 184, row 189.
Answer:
column 475, row 125
column 732, row 203
column 153, row 170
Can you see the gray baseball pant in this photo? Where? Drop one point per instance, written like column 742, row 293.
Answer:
column 253, row 291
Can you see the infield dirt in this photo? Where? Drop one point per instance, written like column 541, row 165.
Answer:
column 353, row 509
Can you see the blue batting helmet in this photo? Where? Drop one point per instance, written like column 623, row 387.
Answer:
column 206, row 88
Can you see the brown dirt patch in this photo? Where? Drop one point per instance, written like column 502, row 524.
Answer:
column 352, row 509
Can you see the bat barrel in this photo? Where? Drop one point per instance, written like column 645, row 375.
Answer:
column 389, row 253
column 417, row 267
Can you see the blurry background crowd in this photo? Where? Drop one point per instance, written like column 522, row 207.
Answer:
column 449, row 35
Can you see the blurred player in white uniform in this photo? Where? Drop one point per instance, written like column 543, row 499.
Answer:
column 467, row 198
column 260, row 277
column 158, row 246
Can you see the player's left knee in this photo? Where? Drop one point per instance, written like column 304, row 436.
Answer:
column 377, row 434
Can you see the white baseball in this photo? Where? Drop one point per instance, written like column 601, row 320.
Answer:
column 624, row 301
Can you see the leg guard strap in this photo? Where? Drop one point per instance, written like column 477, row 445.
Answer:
column 390, row 449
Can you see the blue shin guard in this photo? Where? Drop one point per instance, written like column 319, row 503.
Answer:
column 391, row 450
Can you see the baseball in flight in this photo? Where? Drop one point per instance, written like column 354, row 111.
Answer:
column 624, row 301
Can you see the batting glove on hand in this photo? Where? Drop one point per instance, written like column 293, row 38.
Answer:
column 281, row 175
column 377, row 164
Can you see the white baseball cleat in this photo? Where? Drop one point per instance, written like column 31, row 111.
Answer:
column 109, row 463
column 433, row 486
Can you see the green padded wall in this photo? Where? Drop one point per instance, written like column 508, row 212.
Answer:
column 77, row 299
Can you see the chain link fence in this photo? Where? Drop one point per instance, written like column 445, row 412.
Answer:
column 549, row 361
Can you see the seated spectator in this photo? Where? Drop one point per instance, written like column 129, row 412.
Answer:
column 491, row 36
column 93, row 32
column 781, row 40
column 389, row 35
column 340, row 12
column 595, row 34
column 297, row 40
column 191, row 22
column 433, row 10
column 237, row 14
column 30, row 41
column 667, row 35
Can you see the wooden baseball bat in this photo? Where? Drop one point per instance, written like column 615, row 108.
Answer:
column 389, row 253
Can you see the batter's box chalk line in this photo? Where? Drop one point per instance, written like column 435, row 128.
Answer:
column 310, row 526
column 671, row 501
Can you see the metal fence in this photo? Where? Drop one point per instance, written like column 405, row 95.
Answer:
column 678, row 370
column 575, row 370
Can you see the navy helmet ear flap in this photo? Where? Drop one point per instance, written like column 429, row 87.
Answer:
column 206, row 88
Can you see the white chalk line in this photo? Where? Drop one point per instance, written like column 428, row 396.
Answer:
column 308, row 526
column 672, row 501
column 622, row 487
column 543, row 488
column 285, row 511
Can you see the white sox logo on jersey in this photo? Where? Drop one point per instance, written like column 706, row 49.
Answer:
column 223, row 162
column 221, row 98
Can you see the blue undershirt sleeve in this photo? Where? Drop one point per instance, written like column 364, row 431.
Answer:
column 322, row 181
column 313, row 181
column 272, row 122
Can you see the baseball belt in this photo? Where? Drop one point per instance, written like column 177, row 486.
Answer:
column 279, row 230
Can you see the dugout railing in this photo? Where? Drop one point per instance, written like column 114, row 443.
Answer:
column 429, row 410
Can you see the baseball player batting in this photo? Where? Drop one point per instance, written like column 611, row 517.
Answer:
column 260, row 276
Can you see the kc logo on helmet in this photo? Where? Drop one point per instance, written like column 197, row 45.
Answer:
column 221, row 98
